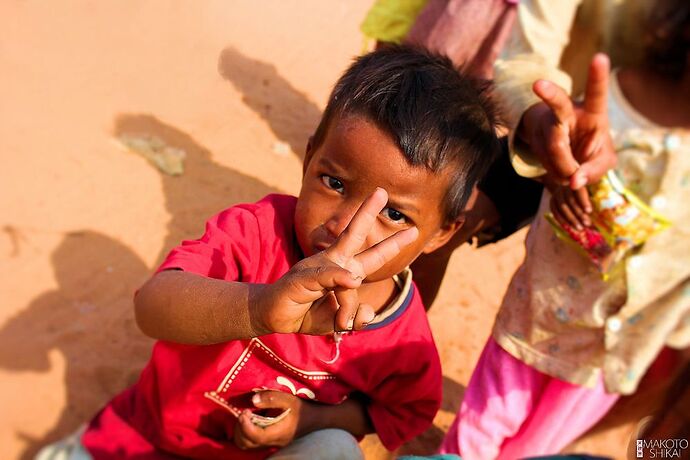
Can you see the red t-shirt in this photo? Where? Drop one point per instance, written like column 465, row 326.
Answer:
column 186, row 400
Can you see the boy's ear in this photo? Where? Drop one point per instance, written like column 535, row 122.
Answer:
column 308, row 153
column 444, row 234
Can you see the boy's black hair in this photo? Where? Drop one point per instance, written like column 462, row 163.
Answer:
column 439, row 116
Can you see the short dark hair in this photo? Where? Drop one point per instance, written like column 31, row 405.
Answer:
column 438, row 115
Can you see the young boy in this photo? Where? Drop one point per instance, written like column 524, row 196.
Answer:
column 403, row 140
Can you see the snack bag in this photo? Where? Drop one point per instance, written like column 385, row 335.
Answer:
column 620, row 222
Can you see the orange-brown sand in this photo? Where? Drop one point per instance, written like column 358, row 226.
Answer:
column 238, row 86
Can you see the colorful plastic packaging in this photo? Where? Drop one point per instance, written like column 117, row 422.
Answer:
column 620, row 222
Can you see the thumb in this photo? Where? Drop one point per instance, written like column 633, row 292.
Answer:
column 595, row 167
column 271, row 400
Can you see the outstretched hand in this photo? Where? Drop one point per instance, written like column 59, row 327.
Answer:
column 318, row 295
column 572, row 140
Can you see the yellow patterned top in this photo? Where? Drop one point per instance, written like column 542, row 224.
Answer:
column 560, row 317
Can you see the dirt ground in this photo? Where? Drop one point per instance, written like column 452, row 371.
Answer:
column 238, row 86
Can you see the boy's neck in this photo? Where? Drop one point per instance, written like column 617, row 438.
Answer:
column 378, row 294
column 660, row 99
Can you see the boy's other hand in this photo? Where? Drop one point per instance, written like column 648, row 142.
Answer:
column 318, row 295
column 295, row 424
column 572, row 139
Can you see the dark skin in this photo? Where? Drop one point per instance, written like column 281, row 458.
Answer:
column 659, row 98
column 203, row 310
column 356, row 236
column 350, row 416
column 571, row 140
column 429, row 269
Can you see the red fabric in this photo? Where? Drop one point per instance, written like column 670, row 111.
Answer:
column 184, row 400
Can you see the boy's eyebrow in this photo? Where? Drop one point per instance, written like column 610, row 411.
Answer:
column 327, row 162
column 402, row 206
column 392, row 201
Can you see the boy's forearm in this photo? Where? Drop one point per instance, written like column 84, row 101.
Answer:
column 188, row 308
column 351, row 416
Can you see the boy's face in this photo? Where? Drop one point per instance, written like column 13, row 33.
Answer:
column 354, row 158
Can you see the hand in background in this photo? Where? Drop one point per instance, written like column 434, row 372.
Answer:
column 572, row 139
column 567, row 209
column 318, row 295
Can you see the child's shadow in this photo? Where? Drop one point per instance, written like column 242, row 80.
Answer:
column 89, row 319
column 289, row 112
column 204, row 188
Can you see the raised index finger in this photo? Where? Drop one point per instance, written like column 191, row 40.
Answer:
column 355, row 234
column 597, row 85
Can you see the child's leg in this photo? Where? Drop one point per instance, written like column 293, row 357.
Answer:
column 511, row 410
column 561, row 415
column 498, row 399
column 329, row 444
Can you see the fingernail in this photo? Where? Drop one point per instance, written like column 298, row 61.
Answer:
column 355, row 276
column 256, row 399
column 546, row 87
column 350, row 324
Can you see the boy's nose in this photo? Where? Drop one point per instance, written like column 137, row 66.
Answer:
column 337, row 223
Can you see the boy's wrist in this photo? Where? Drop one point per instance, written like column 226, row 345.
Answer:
column 308, row 418
column 530, row 118
column 259, row 302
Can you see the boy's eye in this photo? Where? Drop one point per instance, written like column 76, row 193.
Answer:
column 394, row 215
column 332, row 183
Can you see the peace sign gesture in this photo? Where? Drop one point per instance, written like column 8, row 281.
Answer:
column 318, row 295
column 572, row 140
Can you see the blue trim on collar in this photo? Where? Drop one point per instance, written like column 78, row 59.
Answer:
column 405, row 304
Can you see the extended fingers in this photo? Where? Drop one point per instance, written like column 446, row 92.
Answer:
column 353, row 237
column 552, row 122
column 378, row 255
column 558, row 101
column 597, row 85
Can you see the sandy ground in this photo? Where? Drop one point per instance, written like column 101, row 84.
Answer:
column 238, row 86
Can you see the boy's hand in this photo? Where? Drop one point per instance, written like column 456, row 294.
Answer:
column 318, row 295
column 572, row 140
column 295, row 424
